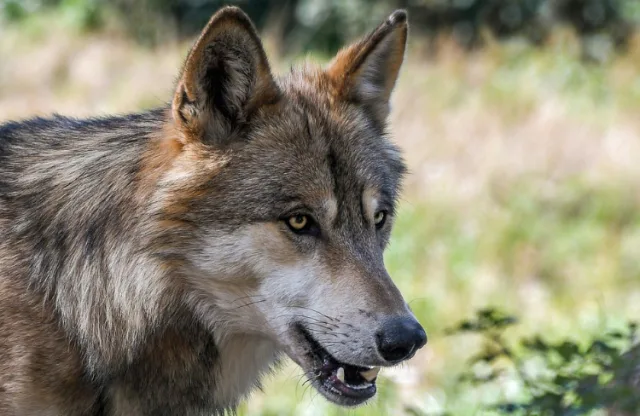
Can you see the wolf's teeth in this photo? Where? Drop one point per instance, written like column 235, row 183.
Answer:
column 340, row 374
column 370, row 374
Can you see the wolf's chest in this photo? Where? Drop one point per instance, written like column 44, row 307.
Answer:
column 190, row 374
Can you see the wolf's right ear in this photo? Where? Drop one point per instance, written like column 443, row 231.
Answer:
column 225, row 78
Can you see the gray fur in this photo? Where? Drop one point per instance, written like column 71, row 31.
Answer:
column 139, row 281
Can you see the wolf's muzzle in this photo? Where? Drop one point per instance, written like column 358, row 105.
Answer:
column 400, row 338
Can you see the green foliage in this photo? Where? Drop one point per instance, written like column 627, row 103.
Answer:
column 85, row 15
column 487, row 321
column 13, row 10
column 631, row 9
column 325, row 25
column 556, row 378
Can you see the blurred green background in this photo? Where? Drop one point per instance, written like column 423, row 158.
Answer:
column 519, row 121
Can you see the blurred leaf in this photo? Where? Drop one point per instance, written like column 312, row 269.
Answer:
column 13, row 10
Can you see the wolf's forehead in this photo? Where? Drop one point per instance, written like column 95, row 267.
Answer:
column 332, row 150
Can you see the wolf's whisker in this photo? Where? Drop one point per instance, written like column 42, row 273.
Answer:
column 313, row 310
column 333, row 333
column 321, row 325
column 304, row 316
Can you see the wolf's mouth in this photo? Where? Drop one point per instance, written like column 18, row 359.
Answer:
column 342, row 383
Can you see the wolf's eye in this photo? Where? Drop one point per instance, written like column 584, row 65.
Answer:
column 302, row 224
column 379, row 218
column 298, row 222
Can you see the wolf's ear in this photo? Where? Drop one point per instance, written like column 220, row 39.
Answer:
column 225, row 78
column 366, row 71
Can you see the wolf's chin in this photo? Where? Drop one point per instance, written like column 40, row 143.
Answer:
column 341, row 383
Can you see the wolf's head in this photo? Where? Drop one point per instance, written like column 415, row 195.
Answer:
column 288, row 189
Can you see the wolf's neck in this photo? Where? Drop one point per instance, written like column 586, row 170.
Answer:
column 85, row 219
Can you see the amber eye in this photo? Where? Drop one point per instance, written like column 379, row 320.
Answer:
column 298, row 222
column 302, row 224
column 379, row 218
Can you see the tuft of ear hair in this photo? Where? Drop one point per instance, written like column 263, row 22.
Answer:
column 225, row 78
column 366, row 71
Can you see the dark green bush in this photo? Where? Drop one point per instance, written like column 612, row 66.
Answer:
column 571, row 378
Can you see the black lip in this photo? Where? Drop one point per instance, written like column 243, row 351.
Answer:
column 323, row 378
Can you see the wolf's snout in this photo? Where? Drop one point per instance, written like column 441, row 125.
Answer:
column 400, row 338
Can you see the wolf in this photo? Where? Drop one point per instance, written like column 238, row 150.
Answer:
column 161, row 263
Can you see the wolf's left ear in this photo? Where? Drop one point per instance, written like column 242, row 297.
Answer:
column 225, row 78
column 366, row 71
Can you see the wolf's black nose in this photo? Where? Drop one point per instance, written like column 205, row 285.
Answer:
column 400, row 338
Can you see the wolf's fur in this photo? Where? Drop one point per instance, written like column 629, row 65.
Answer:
column 145, row 267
